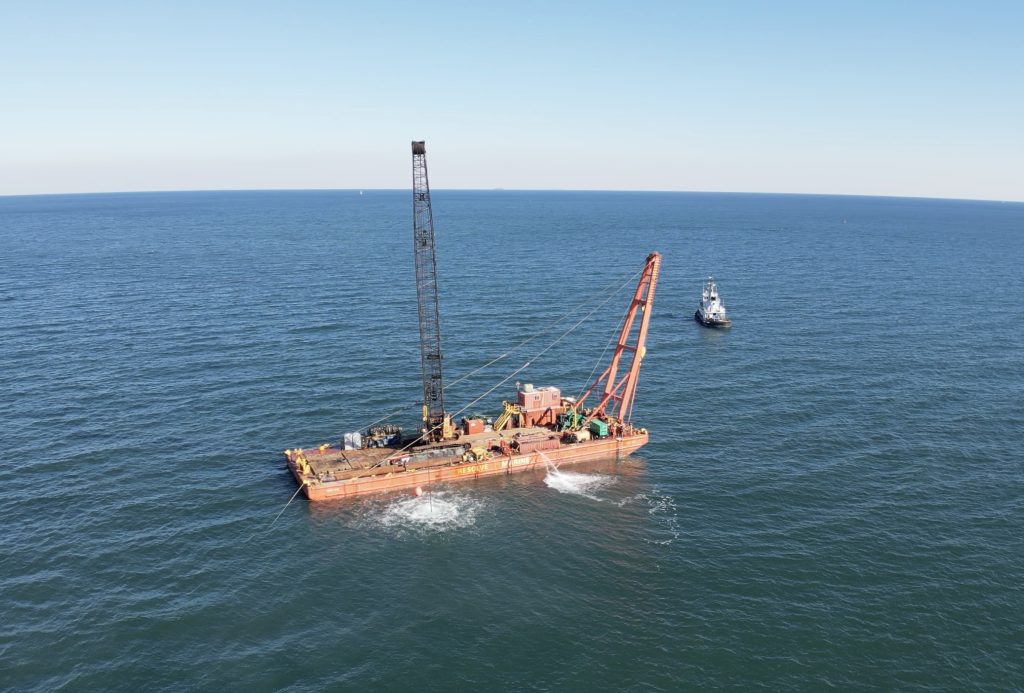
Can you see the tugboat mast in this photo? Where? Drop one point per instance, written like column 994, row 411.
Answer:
column 436, row 424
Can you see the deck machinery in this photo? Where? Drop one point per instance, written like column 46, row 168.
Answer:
column 541, row 427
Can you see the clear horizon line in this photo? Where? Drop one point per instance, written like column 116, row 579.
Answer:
column 544, row 190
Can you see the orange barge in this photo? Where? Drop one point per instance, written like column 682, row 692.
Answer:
column 331, row 472
column 541, row 427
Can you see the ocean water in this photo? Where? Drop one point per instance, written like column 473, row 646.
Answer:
column 833, row 495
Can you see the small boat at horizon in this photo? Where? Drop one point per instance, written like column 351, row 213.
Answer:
column 711, row 312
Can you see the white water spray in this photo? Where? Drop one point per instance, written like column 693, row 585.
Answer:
column 432, row 512
column 574, row 483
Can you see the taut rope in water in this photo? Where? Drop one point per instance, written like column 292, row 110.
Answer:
column 301, row 486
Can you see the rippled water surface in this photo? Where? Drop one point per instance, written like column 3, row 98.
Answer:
column 833, row 495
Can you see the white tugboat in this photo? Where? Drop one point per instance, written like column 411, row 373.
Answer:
column 711, row 311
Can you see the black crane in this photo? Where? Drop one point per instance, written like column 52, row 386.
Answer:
column 437, row 425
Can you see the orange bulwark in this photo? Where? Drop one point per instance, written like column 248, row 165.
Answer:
column 334, row 473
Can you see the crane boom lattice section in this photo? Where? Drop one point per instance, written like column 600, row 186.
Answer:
column 426, row 292
column 617, row 392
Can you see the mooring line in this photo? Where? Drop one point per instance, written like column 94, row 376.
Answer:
column 301, row 486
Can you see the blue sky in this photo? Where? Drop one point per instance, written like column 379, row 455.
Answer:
column 912, row 98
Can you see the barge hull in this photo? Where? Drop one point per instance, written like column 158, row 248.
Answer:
column 401, row 478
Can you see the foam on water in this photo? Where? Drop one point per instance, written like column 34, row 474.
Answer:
column 662, row 509
column 576, row 483
column 433, row 512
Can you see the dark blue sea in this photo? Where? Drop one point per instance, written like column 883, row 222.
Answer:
column 833, row 495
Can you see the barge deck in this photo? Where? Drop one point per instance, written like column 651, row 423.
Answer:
column 326, row 472
column 541, row 427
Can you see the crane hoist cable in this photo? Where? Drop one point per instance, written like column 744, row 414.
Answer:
column 617, row 285
column 609, row 297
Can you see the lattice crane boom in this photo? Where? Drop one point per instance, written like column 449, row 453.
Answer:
column 617, row 395
column 436, row 424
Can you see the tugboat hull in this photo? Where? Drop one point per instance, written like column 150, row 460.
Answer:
column 711, row 322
